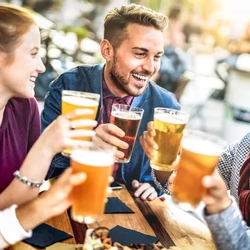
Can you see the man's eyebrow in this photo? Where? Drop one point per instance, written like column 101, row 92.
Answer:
column 146, row 50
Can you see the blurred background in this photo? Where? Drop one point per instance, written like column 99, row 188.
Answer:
column 206, row 62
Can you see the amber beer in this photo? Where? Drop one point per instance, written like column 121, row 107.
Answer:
column 88, row 199
column 128, row 119
column 169, row 125
column 200, row 154
column 72, row 100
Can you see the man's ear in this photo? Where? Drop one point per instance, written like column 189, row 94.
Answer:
column 107, row 50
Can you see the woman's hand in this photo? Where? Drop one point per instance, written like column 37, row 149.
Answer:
column 65, row 132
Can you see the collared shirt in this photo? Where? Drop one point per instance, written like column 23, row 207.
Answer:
column 231, row 161
column 108, row 100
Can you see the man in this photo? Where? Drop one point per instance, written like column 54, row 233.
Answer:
column 132, row 48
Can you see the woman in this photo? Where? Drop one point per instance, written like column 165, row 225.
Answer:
column 20, row 64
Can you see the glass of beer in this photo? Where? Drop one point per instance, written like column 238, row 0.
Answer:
column 127, row 118
column 200, row 154
column 169, row 125
column 72, row 100
column 88, row 198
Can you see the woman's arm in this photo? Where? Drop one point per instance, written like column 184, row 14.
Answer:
column 54, row 139
column 16, row 223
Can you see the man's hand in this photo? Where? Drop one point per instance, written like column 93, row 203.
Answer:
column 147, row 140
column 108, row 135
column 144, row 191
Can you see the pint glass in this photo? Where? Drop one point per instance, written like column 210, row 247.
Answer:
column 200, row 154
column 72, row 100
column 88, row 198
column 128, row 119
column 169, row 125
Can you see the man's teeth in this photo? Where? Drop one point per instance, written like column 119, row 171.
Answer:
column 143, row 78
column 33, row 79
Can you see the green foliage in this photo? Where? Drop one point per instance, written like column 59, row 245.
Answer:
column 81, row 32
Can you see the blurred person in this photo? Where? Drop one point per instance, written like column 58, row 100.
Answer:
column 16, row 222
column 171, row 75
column 20, row 65
column 132, row 48
column 229, row 165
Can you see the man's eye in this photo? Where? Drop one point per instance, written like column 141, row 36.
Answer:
column 157, row 57
column 34, row 53
column 140, row 54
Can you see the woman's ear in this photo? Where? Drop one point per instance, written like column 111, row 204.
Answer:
column 107, row 50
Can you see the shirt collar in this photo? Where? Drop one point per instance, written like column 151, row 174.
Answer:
column 106, row 94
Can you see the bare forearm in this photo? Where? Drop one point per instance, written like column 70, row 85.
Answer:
column 31, row 214
column 35, row 167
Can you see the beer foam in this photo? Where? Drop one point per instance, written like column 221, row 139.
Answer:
column 93, row 158
column 80, row 101
column 126, row 115
column 168, row 118
column 202, row 146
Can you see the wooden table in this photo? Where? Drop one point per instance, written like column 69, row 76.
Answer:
column 173, row 226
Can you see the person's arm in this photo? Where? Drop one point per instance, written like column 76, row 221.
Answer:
column 223, row 217
column 11, row 231
column 35, row 166
column 16, row 223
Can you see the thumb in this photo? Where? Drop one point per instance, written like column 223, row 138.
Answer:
column 135, row 184
column 208, row 181
column 78, row 178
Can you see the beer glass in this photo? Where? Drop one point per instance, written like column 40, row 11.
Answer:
column 169, row 125
column 200, row 154
column 88, row 198
column 127, row 118
column 72, row 100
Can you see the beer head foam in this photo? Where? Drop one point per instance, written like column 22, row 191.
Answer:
column 79, row 101
column 168, row 118
column 98, row 158
column 202, row 146
column 126, row 115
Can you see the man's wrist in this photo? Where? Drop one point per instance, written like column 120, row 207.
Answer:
column 218, row 207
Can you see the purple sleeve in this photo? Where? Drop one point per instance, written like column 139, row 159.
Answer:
column 35, row 124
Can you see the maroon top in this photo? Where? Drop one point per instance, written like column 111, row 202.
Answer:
column 244, row 190
column 19, row 130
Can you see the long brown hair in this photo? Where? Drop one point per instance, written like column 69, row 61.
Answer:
column 14, row 23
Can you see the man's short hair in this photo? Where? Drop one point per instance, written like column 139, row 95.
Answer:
column 119, row 18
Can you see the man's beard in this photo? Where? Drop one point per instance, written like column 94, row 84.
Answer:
column 121, row 83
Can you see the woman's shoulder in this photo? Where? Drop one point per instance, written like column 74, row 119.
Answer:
column 24, row 105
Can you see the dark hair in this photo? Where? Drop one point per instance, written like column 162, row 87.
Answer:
column 14, row 23
column 174, row 13
column 118, row 19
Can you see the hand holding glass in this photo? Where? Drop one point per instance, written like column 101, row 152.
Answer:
column 200, row 154
column 169, row 125
column 88, row 198
column 72, row 100
column 127, row 118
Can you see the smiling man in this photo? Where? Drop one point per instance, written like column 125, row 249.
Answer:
column 132, row 48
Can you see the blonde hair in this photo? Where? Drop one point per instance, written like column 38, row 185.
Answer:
column 14, row 23
column 118, row 19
